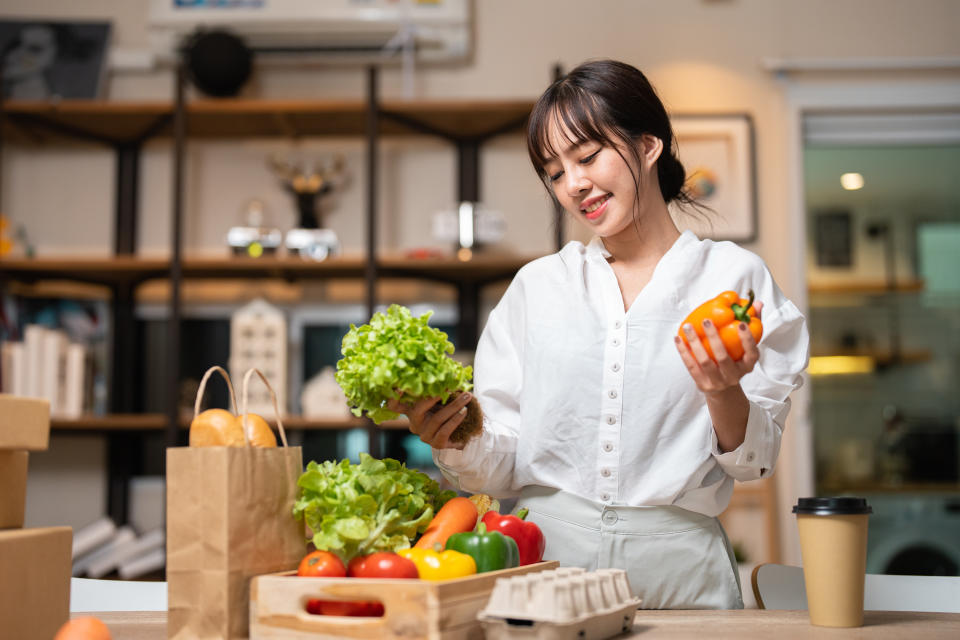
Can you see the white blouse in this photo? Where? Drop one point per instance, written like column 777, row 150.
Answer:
column 581, row 396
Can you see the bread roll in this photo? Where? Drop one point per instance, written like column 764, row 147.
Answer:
column 216, row 428
column 259, row 432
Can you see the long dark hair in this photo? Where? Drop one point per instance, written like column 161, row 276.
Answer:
column 608, row 102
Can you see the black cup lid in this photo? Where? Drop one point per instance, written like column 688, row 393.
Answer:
column 832, row 506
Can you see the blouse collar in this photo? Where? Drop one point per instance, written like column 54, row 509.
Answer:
column 596, row 247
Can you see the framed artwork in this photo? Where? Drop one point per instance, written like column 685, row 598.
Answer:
column 43, row 60
column 718, row 153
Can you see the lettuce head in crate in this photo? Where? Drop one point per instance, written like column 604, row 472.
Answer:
column 398, row 355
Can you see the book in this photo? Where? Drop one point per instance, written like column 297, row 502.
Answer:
column 74, row 382
column 52, row 368
column 33, row 341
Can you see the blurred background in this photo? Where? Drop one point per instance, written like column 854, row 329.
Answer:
column 825, row 134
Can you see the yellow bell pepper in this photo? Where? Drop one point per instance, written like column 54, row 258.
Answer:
column 440, row 565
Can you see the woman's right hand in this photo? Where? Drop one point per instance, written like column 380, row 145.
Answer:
column 433, row 422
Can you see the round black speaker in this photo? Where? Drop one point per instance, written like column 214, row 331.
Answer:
column 218, row 62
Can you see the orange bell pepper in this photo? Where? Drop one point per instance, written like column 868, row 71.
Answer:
column 726, row 312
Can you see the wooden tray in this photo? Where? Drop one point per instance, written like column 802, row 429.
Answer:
column 444, row 610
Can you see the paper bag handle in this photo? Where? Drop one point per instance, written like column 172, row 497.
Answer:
column 273, row 397
column 203, row 386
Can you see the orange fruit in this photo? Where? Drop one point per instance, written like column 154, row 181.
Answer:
column 83, row 628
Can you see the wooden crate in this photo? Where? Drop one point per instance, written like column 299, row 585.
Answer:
column 443, row 610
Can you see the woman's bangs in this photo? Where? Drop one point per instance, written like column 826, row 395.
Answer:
column 573, row 114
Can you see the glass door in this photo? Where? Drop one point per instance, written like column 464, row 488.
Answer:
column 882, row 200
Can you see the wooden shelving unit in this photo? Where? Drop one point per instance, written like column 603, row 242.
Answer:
column 126, row 127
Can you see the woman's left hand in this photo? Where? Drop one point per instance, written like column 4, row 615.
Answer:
column 714, row 377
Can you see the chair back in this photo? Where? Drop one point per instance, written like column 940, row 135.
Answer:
column 778, row 586
column 89, row 594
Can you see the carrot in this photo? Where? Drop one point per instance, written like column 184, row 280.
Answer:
column 456, row 516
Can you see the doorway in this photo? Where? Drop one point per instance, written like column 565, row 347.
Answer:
column 882, row 215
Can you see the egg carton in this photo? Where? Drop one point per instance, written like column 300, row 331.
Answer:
column 562, row 603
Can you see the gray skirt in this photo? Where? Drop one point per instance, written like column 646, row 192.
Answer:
column 674, row 558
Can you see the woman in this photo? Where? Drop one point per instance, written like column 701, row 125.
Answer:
column 622, row 441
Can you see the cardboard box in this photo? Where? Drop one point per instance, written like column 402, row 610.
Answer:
column 24, row 423
column 34, row 581
column 13, row 488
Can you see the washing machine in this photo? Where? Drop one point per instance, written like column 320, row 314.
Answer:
column 914, row 534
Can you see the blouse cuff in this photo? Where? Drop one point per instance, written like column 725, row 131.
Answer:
column 453, row 462
column 753, row 459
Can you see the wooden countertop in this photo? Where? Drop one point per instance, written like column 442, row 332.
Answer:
column 652, row 625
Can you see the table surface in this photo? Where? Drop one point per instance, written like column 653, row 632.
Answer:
column 652, row 625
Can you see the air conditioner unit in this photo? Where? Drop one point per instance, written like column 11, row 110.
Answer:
column 342, row 30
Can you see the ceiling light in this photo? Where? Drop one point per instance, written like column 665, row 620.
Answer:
column 851, row 181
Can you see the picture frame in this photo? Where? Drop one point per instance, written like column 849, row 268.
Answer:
column 53, row 59
column 834, row 238
column 719, row 155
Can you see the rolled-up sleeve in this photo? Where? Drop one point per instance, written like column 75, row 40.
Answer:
column 486, row 464
column 784, row 353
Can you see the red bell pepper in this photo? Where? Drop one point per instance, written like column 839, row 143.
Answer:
column 527, row 535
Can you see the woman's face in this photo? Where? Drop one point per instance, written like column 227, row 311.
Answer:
column 595, row 184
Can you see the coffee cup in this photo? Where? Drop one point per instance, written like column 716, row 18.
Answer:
column 833, row 543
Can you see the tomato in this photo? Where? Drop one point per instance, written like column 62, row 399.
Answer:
column 322, row 564
column 382, row 564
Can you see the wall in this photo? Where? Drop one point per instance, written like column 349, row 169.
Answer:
column 705, row 56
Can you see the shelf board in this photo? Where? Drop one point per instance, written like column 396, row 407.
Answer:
column 857, row 487
column 33, row 122
column 113, row 422
column 132, row 270
column 158, row 422
column 865, row 287
column 883, row 357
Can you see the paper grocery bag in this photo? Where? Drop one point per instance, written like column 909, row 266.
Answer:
column 229, row 518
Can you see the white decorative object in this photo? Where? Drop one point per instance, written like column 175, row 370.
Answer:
column 322, row 397
column 258, row 338
column 337, row 30
column 470, row 226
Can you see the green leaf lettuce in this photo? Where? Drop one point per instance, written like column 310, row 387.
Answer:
column 395, row 355
column 377, row 505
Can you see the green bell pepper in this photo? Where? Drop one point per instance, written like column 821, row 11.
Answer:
column 491, row 550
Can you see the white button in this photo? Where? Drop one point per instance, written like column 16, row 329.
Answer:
column 611, row 419
column 605, row 472
column 615, row 366
column 751, row 456
column 608, row 447
column 612, row 394
column 610, row 517
column 617, row 324
column 616, row 342
column 605, row 497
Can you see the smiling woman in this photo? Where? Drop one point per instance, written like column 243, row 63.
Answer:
column 622, row 441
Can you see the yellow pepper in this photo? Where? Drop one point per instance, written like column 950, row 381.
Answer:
column 440, row 565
